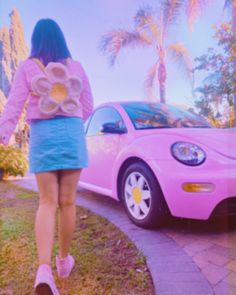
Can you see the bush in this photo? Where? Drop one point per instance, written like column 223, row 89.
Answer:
column 12, row 161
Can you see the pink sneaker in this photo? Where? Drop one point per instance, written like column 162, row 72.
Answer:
column 44, row 282
column 64, row 266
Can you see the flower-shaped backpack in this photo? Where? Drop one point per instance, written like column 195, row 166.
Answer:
column 57, row 90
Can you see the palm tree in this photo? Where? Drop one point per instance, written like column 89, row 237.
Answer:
column 195, row 7
column 151, row 29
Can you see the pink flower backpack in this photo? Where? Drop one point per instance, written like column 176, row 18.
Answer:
column 56, row 89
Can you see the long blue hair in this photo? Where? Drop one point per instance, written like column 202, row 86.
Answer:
column 48, row 42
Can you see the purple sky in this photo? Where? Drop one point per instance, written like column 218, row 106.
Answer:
column 84, row 22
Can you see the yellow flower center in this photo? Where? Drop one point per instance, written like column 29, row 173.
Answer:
column 137, row 195
column 58, row 92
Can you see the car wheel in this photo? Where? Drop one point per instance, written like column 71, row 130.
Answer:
column 142, row 196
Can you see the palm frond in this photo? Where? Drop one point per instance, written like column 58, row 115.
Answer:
column 112, row 42
column 142, row 15
column 182, row 57
column 193, row 9
column 145, row 22
column 171, row 11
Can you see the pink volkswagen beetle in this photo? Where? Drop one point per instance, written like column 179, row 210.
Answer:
column 157, row 158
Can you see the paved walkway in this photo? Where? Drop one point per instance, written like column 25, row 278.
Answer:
column 185, row 258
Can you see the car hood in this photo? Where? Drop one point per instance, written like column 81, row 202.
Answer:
column 222, row 141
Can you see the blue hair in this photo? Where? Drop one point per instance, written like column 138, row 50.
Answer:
column 48, row 42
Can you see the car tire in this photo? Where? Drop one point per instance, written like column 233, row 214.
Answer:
column 142, row 196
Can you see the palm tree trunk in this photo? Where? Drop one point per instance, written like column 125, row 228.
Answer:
column 234, row 58
column 162, row 81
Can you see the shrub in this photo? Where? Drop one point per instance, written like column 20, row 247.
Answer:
column 12, row 161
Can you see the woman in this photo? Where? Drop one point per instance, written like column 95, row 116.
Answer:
column 59, row 100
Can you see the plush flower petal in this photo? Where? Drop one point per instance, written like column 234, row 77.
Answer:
column 70, row 105
column 41, row 85
column 47, row 105
column 74, row 84
column 56, row 72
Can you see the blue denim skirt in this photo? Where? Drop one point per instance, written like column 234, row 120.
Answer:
column 57, row 143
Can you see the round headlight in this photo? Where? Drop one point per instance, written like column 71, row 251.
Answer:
column 188, row 153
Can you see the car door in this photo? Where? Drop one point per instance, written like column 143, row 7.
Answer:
column 102, row 147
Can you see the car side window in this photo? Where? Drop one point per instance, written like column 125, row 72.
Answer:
column 101, row 116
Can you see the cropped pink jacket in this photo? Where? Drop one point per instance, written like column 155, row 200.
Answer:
column 22, row 92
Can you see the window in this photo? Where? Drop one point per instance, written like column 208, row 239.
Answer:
column 102, row 116
column 155, row 115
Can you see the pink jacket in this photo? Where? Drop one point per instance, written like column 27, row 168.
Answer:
column 21, row 93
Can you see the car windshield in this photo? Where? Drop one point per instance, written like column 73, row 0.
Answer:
column 156, row 115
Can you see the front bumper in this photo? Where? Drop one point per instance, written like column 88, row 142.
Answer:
column 171, row 176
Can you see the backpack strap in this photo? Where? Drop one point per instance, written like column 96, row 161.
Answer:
column 39, row 63
column 41, row 66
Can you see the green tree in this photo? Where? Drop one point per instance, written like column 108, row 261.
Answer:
column 216, row 94
column 193, row 10
column 13, row 50
column 151, row 29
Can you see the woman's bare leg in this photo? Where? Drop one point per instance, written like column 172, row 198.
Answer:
column 45, row 217
column 68, row 181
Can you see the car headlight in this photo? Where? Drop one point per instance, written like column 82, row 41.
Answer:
column 188, row 153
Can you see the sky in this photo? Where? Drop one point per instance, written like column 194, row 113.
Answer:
column 83, row 24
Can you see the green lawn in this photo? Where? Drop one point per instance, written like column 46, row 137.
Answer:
column 107, row 262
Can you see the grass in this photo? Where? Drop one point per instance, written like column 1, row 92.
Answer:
column 107, row 262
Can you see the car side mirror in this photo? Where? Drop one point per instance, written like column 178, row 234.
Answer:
column 113, row 128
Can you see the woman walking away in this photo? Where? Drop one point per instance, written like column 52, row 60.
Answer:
column 59, row 101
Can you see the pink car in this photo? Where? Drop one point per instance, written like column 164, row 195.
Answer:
column 157, row 158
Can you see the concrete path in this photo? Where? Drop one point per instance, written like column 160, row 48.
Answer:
column 185, row 258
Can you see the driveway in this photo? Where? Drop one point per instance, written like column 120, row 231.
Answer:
column 184, row 258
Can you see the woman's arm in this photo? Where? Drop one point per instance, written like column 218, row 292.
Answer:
column 14, row 106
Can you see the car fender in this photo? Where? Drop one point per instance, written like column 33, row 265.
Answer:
column 139, row 149
column 154, row 151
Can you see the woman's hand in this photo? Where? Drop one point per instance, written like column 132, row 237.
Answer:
column 2, row 139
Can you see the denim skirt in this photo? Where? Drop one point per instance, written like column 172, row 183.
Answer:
column 57, row 143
